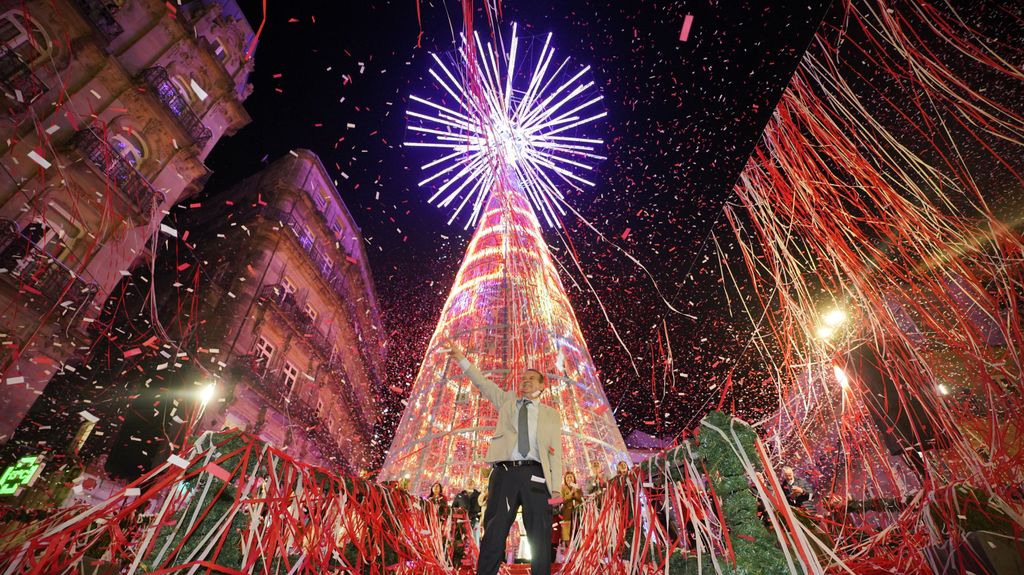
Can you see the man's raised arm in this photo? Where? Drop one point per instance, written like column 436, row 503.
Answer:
column 488, row 388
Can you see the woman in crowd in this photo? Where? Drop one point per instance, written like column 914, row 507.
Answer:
column 572, row 499
column 438, row 499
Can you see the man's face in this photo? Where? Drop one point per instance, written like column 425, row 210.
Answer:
column 531, row 383
column 788, row 474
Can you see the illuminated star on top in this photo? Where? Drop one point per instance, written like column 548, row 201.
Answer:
column 514, row 117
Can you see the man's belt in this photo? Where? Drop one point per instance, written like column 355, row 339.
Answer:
column 516, row 463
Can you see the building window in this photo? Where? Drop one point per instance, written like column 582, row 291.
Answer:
column 220, row 50
column 24, row 36
column 182, row 87
column 307, row 238
column 323, row 199
column 130, row 147
column 311, row 312
column 336, row 226
column 264, row 350
column 291, row 375
column 288, row 286
column 55, row 232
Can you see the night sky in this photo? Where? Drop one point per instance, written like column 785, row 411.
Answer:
column 682, row 119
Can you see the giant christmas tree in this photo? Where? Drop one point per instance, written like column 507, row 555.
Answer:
column 509, row 135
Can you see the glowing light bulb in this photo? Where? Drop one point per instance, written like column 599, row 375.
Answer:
column 206, row 394
column 834, row 317
column 844, row 381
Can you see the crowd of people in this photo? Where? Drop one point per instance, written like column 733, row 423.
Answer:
column 468, row 506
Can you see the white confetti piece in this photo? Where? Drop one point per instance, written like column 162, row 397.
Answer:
column 132, row 492
column 39, row 160
column 200, row 93
column 88, row 416
column 178, row 461
column 15, row 380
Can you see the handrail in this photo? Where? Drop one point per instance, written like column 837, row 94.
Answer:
column 102, row 17
column 39, row 273
column 165, row 91
column 118, row 170
column 21, row 86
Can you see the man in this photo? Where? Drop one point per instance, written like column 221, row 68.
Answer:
column 526, row 455
column 469, row 499
column 796, row 490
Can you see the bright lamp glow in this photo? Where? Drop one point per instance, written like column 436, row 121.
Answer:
column 841, row 377
column 512, row 119
column 206, row 394
column 834, row 317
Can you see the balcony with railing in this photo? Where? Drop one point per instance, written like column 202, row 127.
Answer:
column 271, row 386
column 118, row 170
column 20, row 85
column 289, row 308
column 101, row 14
column 276, row 391
column 340, row 382
column 165, row 91
column 332, row 276
column 40, row 275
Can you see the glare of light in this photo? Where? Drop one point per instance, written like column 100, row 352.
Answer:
column 834, row 317
column 206, row 394
column 943, row 390
column 844, row 381
column 824, row 332
column 512, row 120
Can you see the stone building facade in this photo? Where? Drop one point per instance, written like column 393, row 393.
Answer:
column 108, row 109
column 291, row 311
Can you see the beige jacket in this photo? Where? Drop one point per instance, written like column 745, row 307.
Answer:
column 505, row 439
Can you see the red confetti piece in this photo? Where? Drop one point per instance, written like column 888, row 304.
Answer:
column 684, row 35
column 218, row 472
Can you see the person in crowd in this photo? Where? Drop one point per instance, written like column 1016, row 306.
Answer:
column 469, row 500
column 797, row 491
column 596, row 483
column 438, row 500
column 572, row 499
column 621, row 469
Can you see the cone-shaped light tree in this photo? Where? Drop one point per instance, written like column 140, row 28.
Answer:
column 510, row 134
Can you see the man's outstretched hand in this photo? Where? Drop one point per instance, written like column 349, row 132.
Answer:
column 454, row 350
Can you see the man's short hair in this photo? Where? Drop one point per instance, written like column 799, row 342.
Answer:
column 539, row 373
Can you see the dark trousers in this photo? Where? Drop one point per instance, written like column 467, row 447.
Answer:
column 510, row 487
